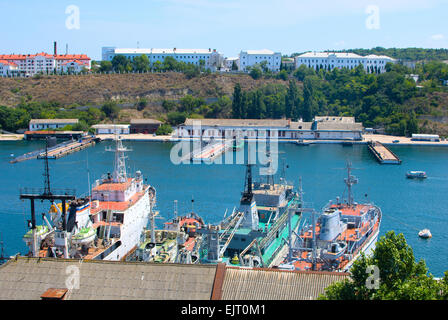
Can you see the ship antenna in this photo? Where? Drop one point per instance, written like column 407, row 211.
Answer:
column 175, row 208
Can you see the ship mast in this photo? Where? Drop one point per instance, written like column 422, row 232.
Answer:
column 350, row 181
column 119, row 175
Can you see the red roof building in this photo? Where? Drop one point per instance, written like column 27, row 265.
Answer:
column 30, row 64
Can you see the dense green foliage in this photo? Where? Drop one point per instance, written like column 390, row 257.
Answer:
column 164, row 130
column 142, row 64
column 376, row 100
column 12, row 119
column 400, row 276
column 414, row 54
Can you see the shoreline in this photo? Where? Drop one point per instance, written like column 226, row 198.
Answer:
column 384, row 139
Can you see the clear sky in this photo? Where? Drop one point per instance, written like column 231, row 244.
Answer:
column 288, row 26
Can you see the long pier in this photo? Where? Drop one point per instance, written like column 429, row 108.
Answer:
column 382, row 153
column 209, row 152
column 60, row 150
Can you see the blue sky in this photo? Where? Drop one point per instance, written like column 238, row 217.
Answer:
column 288, row 26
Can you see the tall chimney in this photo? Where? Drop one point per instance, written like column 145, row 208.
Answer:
column 55, row 48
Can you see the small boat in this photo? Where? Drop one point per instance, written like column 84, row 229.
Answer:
column 84, row 236
column 425, row 234
column 41, row 233
column 416, row 175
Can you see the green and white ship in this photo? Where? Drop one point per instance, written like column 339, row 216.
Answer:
column 256, row 233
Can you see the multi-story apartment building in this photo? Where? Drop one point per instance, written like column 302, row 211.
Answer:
column 330, row 60
column 213, row 60
column 30, row 64
column 251, row 58
column 8, row 68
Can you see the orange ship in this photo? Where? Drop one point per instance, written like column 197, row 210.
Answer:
column 338, row 236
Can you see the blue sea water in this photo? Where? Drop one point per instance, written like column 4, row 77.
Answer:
column 407, row 205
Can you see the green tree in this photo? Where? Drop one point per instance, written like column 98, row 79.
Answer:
column 310, row 105
column 105, row 66
column 164, row 130
column 175, row 118
column 400, row 276
column 111, row 109
column 256, row 72
column 141, row 63
column 169, row 105
column 121, row 64
column 237, row 102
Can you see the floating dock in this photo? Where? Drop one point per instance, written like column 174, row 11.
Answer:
column 209, row 152
column 59, row 150
column 382, row 153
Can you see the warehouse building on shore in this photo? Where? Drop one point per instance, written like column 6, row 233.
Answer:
column 321, row 128
column 44, row 124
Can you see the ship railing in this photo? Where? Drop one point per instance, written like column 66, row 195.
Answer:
column 54, row 191
column 276, row 251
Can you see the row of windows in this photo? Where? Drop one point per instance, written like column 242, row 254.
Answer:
column 342, row 61
column 257, row 57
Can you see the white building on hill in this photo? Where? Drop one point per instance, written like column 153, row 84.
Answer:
column 330, row 60
column 212, row 58
column 250, row 58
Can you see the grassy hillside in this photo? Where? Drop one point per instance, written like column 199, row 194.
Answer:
column 95, row 89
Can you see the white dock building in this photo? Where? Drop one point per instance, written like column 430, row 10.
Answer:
column 322, row 128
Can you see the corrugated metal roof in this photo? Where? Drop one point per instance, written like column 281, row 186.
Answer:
column 145, row 121
column 339, row 126
column 272, row 284
column 240, row 122
column 45, row 121
column 29, row 278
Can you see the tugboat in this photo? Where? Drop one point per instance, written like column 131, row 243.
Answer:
column 341, row 233
column 416, row 175
column 104, row 226
column 177, row 242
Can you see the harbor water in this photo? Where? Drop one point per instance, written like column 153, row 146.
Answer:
column 408, row 205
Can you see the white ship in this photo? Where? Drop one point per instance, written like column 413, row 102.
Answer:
column 105, row 226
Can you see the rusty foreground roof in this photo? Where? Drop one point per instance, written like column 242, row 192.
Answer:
column 275, row 284
column 33, row 279
column 29, row 278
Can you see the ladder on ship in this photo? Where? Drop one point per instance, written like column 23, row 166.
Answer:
column 229, row 232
